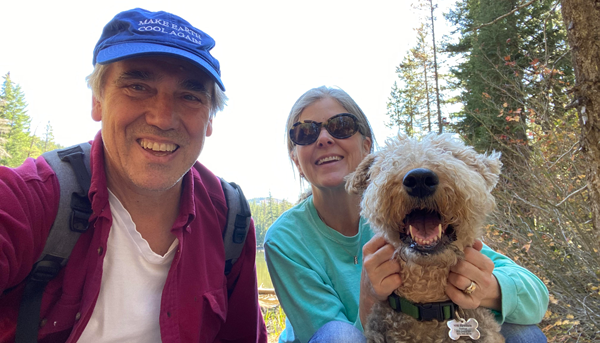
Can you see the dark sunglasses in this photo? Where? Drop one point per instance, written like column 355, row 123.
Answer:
column 339, row 126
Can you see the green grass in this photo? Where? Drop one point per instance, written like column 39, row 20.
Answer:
column 275, row 321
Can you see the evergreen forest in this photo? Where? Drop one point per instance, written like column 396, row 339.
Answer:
column 17, row 141
column 264, row 212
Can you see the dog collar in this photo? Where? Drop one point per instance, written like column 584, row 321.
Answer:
column 439, row 311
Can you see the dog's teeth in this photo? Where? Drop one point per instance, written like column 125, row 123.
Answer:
column 410, row 229
column 440, row 231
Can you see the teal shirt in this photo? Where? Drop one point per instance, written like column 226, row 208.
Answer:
column 316, row 281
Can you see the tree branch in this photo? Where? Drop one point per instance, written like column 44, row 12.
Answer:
column 504, row 15
column 570, row 195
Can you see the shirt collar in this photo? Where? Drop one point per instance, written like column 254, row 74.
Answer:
column 99, row 192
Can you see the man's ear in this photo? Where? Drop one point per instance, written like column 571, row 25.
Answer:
column 96, row 109
column 209, row 127
column 358, row 181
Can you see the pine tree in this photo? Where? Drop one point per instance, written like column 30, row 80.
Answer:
column 413, row 95
column 47, row 143
column 4, row 129
column 435, row 69
column 512, row 58
column 483, row 72
column 15, row 113
column 405, row 101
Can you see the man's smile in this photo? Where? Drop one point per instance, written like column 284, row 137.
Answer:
column 157, row 146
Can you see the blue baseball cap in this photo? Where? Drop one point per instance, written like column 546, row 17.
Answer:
column 138, row 32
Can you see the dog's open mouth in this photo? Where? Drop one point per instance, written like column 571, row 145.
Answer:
column 424, row 230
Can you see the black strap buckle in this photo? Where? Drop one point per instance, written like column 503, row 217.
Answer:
column 81, row 210
column 44, row 271
column 439, row 311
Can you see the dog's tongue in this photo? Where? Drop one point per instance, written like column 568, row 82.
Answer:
column 425, row 226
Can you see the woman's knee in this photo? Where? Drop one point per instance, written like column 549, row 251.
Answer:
column 338, row 332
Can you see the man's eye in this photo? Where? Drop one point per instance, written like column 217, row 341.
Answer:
column 192, row 98
column 137, row 87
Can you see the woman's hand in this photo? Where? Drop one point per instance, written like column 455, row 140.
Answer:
column 476, row 268
column 380, row 274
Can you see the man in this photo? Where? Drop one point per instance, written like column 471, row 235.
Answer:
column 151, row 266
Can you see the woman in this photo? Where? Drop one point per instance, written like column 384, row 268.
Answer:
column 314, row 251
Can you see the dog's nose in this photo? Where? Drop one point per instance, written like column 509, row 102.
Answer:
column 420, row 182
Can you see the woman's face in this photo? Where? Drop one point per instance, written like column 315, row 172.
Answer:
column 327, row 161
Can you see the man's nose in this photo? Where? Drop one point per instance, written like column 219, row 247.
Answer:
column 162, row 112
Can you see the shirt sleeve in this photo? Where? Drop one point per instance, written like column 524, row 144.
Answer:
column 307, row 301
column 524, row 295
column 244, row 321
column 28, row 204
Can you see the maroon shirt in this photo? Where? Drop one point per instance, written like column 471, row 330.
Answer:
column 199, row 303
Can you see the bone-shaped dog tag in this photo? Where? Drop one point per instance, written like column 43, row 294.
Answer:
column 463, row 328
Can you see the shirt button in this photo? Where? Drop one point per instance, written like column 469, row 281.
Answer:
column 100, row 250
column 78, row 315
column 169, row 314
column 43, row 322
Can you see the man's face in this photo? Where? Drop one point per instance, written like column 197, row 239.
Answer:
column 155, row 116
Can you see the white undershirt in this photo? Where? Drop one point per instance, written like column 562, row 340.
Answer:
column 133, row 277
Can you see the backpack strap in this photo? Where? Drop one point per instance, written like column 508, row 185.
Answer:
column 72, row 168
column 238, row 223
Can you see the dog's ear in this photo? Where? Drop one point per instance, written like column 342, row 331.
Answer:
column 358, row 181
column 491, row 172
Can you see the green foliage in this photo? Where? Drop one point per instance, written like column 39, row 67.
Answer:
column 15, row 114
column 275, row 322
column 264, row 212
column 16, row 141
column 4, row 129
column 46, row 142
column 413, row 95
column 503, row 71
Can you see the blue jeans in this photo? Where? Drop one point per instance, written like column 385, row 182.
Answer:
column 515, row 333
column 340, row 332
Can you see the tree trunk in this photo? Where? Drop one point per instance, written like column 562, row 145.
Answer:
column 582, row 20
column 435, row 66
column 427, row 94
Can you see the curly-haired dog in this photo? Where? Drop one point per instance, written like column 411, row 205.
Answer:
column 429, row 199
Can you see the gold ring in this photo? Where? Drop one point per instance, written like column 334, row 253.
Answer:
column 471, row 288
